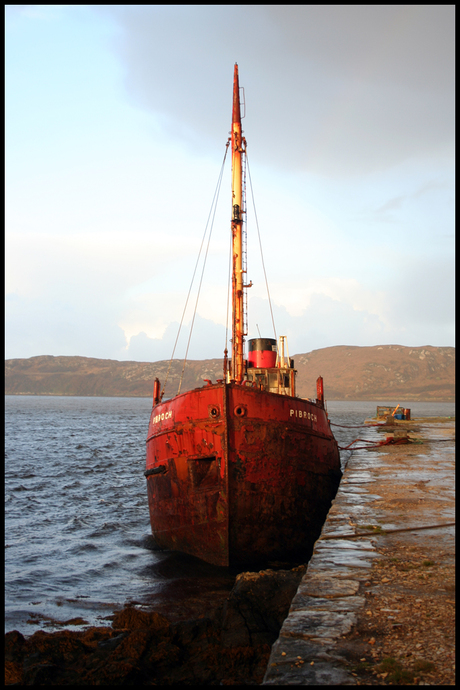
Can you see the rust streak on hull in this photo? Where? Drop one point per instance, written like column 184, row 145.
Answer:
column 248, row 474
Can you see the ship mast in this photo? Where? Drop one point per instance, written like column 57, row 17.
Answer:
column 237, row 235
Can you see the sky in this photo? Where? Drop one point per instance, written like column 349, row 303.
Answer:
column 116, row 124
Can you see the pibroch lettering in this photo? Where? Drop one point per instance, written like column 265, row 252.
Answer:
column 303, row 414
column 162, row 417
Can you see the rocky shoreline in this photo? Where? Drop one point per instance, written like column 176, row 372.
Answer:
column 225, row 645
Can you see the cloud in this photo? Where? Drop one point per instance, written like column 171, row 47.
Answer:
column 206, row 342
column 423, row 295
column 113, row 153
column 354, row 89
column 323, row 323
column 52, row 327
column 407, row 44
column 400, row 314
column 391, row 205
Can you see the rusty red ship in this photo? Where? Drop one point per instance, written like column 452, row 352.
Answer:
column 241, row 470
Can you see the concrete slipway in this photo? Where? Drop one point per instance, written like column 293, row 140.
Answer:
column 380, row 581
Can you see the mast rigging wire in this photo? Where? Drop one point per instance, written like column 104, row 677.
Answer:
column 212, row 213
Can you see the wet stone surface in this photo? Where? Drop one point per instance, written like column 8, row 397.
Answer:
column 379, row 609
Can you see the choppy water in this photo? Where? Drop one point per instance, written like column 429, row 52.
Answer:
column 77, row 533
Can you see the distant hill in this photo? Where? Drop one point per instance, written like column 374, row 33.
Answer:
column 382, row 372
column 385, row 372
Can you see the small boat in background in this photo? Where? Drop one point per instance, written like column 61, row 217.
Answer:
column 241, row 470
column 387, row 414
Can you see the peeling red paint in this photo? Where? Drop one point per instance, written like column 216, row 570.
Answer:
column 238, row 488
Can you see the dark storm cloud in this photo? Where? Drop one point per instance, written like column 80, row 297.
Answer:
column 362, row 87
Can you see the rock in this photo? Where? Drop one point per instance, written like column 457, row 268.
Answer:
column 15, row 650
column 15, row 646
column 133, row 619
column 257, row 606
column 229, row 646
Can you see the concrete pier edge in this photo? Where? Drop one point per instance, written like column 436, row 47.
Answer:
column 331, row 594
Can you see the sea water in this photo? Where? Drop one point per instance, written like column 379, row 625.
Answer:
column 77, row 535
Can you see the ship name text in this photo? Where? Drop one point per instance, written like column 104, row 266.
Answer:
column 162, row 417
column 303, row 414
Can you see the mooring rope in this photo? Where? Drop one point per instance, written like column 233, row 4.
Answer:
column 390, row 441
column 377, row 531
column 364, row 440
column 358, row 426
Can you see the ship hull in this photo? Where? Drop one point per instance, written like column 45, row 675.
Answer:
column 238, row 475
